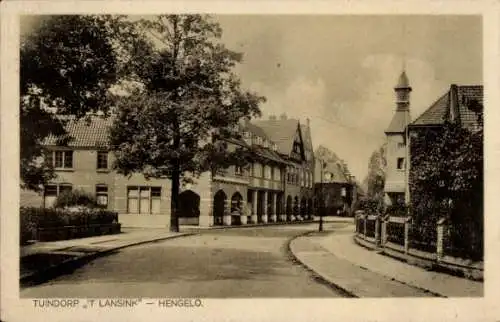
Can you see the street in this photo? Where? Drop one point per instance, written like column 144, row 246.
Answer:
column 241, row 262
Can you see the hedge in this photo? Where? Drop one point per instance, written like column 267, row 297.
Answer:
column 32, row 219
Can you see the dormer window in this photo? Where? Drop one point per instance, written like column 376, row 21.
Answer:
column 275, row 147
column 246, row 135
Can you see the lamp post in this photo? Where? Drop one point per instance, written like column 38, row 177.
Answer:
column 322, row 197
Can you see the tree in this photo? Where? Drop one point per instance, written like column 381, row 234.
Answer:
column 67, row 63
column 446, row 180
column 178, row 125
column 375, row 178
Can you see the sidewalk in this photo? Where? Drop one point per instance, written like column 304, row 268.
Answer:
column 364, row 273
column 44, row 260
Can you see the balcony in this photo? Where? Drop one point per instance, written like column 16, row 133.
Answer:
column 265, row 184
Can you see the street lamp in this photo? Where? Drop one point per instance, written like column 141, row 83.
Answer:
column 322, row 197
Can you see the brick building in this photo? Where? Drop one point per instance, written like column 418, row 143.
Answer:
column 276, row 186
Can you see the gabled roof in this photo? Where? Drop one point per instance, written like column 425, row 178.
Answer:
column 399, row 122
column 442, row 108
column 281, row 132
column 333, row 167
column 92, row 132
column 306, row 136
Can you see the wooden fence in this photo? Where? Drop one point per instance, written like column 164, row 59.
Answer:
column 429, row 244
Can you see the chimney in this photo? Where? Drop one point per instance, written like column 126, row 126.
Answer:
column 283, row 116
column 272, row 117
column 454, row 108
column 308, row 122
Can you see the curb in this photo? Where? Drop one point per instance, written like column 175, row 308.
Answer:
column 379, row 252
column 69, row 265
column 434, row 267
column 250, row 225
column 316, row 276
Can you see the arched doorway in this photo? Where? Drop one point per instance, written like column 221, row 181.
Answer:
column 310, row 208
column 296, row 207
column 289, row 208
column 219, row 205
column 236, row 208
column 279, row 206
column 303, row 207
column 189, row 208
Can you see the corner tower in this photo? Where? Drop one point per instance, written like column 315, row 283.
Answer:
column 396, row 153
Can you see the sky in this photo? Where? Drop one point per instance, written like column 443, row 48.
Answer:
column 340, row 71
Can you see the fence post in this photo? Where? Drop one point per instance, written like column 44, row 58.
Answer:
column 377, row 231
column 440, row 238
column 383, row 238
column 365, row 217
column 357, row 216
column 407, row 233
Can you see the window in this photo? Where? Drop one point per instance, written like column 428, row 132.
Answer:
column 60, row 159
column 263, row 172
column 102, row 159
column 400, row 163
column 401, row 145
column 144, row 200
column 51, row 191
column 238, row 170
column 101, row 194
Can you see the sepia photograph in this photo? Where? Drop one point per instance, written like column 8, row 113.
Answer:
column 172, row 158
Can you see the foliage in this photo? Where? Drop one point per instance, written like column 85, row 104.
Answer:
column 32, row 218
column 397, row 210
column 189, row 106
column 446, row 180
column 68, row 63
column 375, row 179
column 370, row 206
column 75, row 198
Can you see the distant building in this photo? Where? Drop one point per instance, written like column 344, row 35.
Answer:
column 276, row 186
column 334, row 186
column 397, row 152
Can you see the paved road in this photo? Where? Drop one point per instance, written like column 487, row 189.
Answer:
column 242, row 262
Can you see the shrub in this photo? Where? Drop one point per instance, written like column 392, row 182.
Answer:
column 397, row 210
column 370, row 206
column 75, row 198
column 32, row 218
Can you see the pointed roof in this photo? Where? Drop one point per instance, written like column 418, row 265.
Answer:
column 399, row 122
column 282, row 132
column 332, row 166
column 403, row 81
column 441, row 109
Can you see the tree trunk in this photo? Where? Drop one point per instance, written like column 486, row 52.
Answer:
column 174, row 200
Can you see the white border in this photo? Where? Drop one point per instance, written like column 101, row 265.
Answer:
column 388, row 309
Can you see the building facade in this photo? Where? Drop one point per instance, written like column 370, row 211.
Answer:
column 461, row 103
column 334, row 187
column 276, row 186
column 395, row 187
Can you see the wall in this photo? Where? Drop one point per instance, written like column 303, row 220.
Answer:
column 395, row 178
